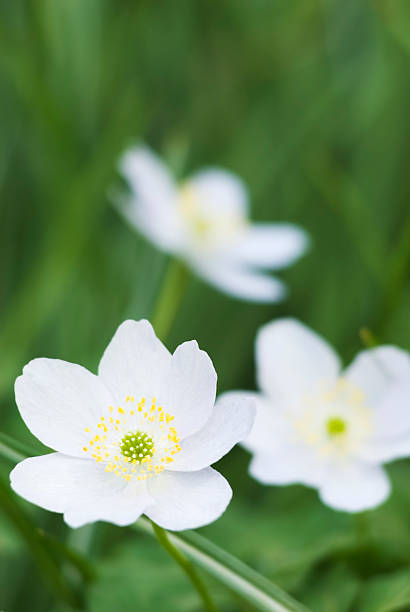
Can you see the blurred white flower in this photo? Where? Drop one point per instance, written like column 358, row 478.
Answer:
column 327, row 429
column 137, row 438
column 205, row 222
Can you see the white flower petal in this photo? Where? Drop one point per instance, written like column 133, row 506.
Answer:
column 58, row 400
column 80, row 488
column 153, row 208
column 221, row 191
column 383, row 450
column 240, row 282
column 190, row 388
column 290, row 464
column 269, row 426
column 135, row 362
column 46, row 481
column 230, row 422
column 148, row 175
column 269, row 245
column 293, row 361
column 375, row 371
column 187, row 500
column 355, row 487
column 390, row 438
column 391, row 415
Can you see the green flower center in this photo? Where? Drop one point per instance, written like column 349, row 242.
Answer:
column 136, row 446
column 336, row 426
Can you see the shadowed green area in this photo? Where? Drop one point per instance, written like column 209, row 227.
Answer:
column 307, row 100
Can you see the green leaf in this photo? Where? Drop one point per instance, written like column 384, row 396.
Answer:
column 243, row 580
column 36, row 543
column 389, row 524
column 387, row 593
column 288, row 532
column 331, row 589
column 14, row 450
column 139, row 575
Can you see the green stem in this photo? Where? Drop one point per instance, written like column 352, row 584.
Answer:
column 230, row 571
column 362, row 528
column 186, row 565
column 169, row 298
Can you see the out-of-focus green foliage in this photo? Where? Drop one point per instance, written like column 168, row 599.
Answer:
column 308, row 100
column 387, row 593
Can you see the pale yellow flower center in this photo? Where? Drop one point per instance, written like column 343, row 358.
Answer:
column 335, row 421
column 209, row 226
column 134, row 440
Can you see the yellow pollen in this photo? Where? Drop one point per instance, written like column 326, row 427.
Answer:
column 137, row 443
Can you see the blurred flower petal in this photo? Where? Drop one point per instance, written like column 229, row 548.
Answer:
column 320, row 427
column 152, row 207
column 391, row 437
column 222, row 192
column 355, row 487
column 294, row 464
column 205, row 221
column 269, row 245
column 293, row 360
column 376, row 369
column 243, row 283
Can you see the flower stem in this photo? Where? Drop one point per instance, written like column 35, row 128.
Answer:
column 254, row 588
column 169, row 298
column 186, row 566
column 362, row 528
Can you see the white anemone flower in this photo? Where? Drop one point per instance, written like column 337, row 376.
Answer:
column 204, row 221
column 137, row 438
column 323, row 427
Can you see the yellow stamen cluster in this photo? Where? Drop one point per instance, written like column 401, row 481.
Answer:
column 134, row 440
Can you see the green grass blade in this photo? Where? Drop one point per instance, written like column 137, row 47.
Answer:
column 237, row 576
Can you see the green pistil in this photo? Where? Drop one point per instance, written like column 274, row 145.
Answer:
column 336, row 426
column 201, row 226
column 137, row 445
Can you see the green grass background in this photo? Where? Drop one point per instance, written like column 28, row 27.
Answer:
column 307, row 100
